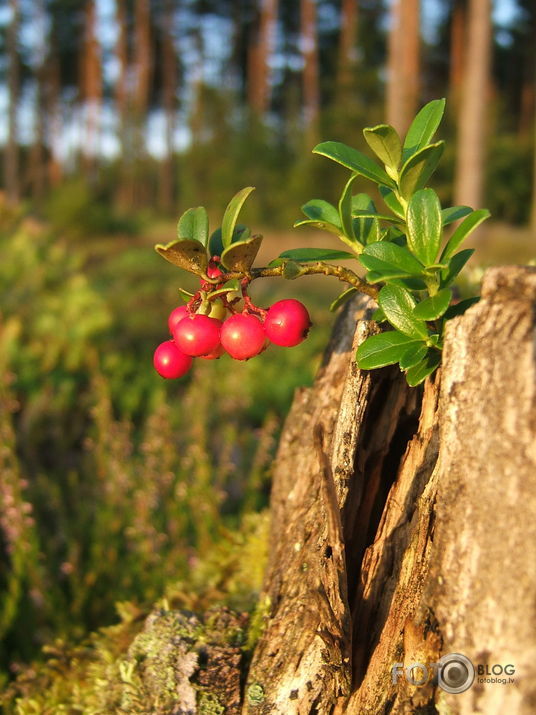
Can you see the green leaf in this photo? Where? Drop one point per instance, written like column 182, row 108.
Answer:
column 466, row 227
column 187, row 254
column 291, row 270
column 383, row 349
column 461, row 307
column 309, row 255
column 355, row 161
column 342, row 298
column 423, row 127
column 357, row 213
column 345, row 208
column 414, row 354
column 424, row 225
column 193, row 224
column 419, row 372
column 239, row 256
column 433, row 307
column 215, row 243
column 385, row 255
column 320, row 210
column 397, row 304
column 456, row 263
column 385, row 143
column 229, row 287
column 385, row 275
column 419, row 168
column 392, row 202
column 378, row 316
column 366, row 230
column 454, row 213
column 322, row 225
column 230, row 216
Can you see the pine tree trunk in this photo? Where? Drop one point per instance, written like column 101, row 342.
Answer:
column 403, row 523
column 260, row 51
column 403, row 72
column 169, row 79
column 12, row 148
column 472, row 125
column 458, row 23
column 347, row 60
column 91, row 88
column 311, row 89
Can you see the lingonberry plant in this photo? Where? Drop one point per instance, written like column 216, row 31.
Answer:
column 409, row 267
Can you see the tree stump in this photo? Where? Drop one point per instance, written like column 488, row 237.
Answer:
column 404, row 524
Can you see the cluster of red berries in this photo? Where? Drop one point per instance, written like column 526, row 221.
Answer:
column 242, row 334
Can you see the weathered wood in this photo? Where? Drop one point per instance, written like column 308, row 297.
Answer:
column 437, row 496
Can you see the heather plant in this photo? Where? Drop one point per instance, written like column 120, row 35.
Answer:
column 410, row 265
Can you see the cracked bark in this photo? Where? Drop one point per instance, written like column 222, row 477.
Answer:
column 403, row 522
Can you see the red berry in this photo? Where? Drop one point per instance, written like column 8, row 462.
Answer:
column 214, row 272
column 175, row 317
column 197, row 335
column 287, row 323
column 220, row 350
column 169, row 361
column 243, row 336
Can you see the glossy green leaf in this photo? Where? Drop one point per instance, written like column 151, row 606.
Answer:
column 383, row 349
column 322, row 225
column 215, row 243
column 466, row 227
column 424, row 225
column 397, row 304
column 460, row 308
column 345, row 208
column 454, row 213
column 419, row 372
column 366, row 230
column 310, row 255
column 413, row 355
column 385, row 275
column 230, row 216
column 355, row 161
column 378, row 316
column 456, row 263
column 433, row 307
column 392, row 202
column 239, row 256
column 320, row 210
column 193, row 224
column 342, row 298
column 187, row 254
column 419, row 168
column 423, row 127
column 391, row 257
column 357, row 213
column 385, row 143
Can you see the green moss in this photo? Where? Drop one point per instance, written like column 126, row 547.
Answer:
column 255, row 694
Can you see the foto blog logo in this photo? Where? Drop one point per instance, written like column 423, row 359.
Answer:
column 454, row 673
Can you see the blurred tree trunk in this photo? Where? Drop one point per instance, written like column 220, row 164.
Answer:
column 347, row 59
column 13, row 82
column 403, row 72
column 473, row 111
column 143, row 69
column 311, row 87
column 37, row 155
column 54, row 113
column 91, row 89
column 169, row 81
column 458, row 23
column 397, row 513
column 260, row 51
column 124, row 196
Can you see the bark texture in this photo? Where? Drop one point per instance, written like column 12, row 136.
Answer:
column 403, row 523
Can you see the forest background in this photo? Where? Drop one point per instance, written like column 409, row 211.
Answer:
column 115, row 487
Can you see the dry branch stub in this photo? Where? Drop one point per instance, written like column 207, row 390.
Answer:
column 408, row 530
